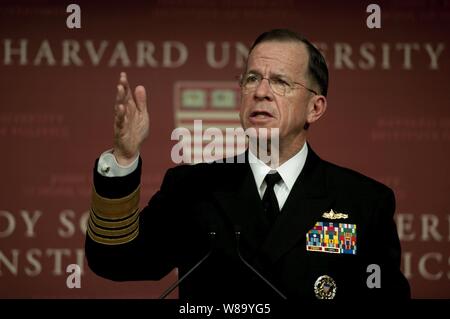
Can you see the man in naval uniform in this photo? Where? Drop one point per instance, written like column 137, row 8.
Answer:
column 304, row 228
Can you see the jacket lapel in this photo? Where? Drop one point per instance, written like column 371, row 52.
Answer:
column 241, row 203
column 307, row 201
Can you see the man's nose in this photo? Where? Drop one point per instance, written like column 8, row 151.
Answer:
column 263, row 90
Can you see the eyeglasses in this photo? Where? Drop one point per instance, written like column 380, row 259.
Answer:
column 251, row 81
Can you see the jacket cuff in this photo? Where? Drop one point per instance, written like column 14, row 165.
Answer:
column 114, row 215
column 117, row 187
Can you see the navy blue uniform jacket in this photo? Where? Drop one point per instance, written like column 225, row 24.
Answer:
column 125, row 243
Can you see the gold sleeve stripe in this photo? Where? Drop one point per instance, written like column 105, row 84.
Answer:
column 115, row 208
column 114, row 224
column 112, row 241
column 113, row 232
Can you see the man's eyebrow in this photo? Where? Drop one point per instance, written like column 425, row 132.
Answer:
column 253, row 71
column 280, row 75
column 276, row 74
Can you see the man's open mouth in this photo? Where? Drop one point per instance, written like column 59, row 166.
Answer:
column 260, row 114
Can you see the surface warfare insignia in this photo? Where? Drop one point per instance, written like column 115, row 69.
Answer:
column 334, row 215
column 325, row 287
column 329, row 237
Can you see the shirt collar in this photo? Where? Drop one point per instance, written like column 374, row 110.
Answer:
column 289, row 170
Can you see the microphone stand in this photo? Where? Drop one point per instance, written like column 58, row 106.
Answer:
column 212, row 236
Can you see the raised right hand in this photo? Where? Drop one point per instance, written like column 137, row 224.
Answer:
column 131, row 124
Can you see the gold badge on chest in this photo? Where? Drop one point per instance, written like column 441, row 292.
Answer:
column 334, row 215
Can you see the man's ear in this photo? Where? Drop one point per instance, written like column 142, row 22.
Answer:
column 316, row 108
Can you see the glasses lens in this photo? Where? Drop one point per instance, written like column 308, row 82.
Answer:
column 251, row 81
column 277, row 87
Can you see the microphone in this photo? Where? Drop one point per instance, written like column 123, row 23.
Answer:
column 238, row 235
column 212, row 237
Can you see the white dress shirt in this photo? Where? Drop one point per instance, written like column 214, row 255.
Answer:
column 108, row 166
column 289, row 172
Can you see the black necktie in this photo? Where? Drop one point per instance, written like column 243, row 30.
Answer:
column 269, row 201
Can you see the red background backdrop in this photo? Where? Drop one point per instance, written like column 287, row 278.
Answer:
column 388, row 117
